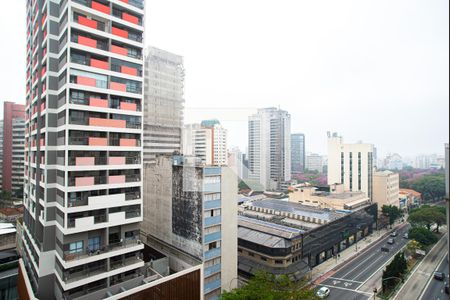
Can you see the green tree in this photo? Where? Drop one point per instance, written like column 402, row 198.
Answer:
column 431, row 186
column 393, row 212
column 412, row 247
column 265, row 286
column 423, row 236
column 427, row 216
column 394, row 272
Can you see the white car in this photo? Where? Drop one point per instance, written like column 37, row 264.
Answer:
column 323, row 292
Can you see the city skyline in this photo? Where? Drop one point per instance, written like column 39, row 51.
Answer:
column 324, row 85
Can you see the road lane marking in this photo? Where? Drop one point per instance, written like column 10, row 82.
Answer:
column 359, row 265
column 345, row 289
column 431, row 277
column 375, row 261
column 343, row 279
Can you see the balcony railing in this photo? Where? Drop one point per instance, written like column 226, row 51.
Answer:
column 124, row 262
column 71, row 222
column 88, row 272
column 70, row 256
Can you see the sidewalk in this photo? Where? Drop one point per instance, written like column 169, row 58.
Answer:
column 415, row 284
column 329, row 267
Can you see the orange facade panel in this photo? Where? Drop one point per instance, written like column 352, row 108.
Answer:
column 87, row 22
column 130, row 18
column 98, row 102
column 96, row 63
column 118, row 86
column 94, row 141
column 82, row 40
column 128, row 106
column 86, row 81
column 107, row 123
column 119, row 32
column 119, row 50
column 101, row 7
column 129, row 70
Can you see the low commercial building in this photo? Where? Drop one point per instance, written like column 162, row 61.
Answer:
column 336, row 199
column 410, row 197
column 386, row 188
column 286, row 238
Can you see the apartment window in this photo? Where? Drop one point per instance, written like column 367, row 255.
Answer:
column 94, row 243
column 278, row 262
column 76, row 247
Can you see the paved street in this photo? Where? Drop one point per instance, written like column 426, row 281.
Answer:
column 416, row 283
column 349, row 280
column 435, row 289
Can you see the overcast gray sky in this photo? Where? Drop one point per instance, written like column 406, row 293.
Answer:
column 376, row 71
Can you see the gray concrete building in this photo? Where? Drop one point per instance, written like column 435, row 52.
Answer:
column 269, row 147
column 163, row 103
column 298, row 153
column 192, row 207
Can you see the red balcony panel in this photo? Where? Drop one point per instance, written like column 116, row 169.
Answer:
column 98, row 102
column 87, row 41
column 100, row 7
column 128, row 142
column 87, row 22
column 119, row 32
column 99, row 64
column 129, row 70
column 118, row 86
column 128, row 106
column 130, row 18
column 43, row 106
column 44, row 18
column 107, row 123
column 124, row 1
column 119, row 50
column 93, row 141
column 86, row 81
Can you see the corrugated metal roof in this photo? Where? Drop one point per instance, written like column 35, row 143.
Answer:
column 262, row 238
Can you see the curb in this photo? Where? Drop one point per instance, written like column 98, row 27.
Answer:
column 345, row 261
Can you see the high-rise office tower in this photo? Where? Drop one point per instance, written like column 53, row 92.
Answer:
column 83, row 151
column 163, row 103
column 207, row 141
column 298, row 155
column 350, row 164
column 269, row 147
column 13, row 140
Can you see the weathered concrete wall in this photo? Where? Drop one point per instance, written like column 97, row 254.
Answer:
column 187, row 210
column 157, row 199
column 229, row 229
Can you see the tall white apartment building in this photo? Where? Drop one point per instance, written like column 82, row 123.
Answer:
column 83, row 148
column 350, row 165
column 207, row 141
column 163, row 103
column 269, row 147
column 386, row 188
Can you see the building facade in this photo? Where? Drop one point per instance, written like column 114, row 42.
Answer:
column 298, row 154
column 207, row 141
column 236, row 162
column 350, row 165
column 193, row 208
column 163, row 103
column 386, row 188
column 285, row 238
column 269, row 147
column 314, row 162
column 83, row 148
column 13, row 140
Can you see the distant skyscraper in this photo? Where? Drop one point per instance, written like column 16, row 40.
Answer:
column 236, row 162
column 269, row 147
column 350, row 164
column 314, row 162
column 207, row 141
column 13, row 148
column 298, row 155
column 163, row 103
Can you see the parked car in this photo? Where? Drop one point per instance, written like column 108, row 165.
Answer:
column 439, row 276
column 394, row 233
column 391, row 241
column 406, row 236
column 323, row 292
column 446, row 288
